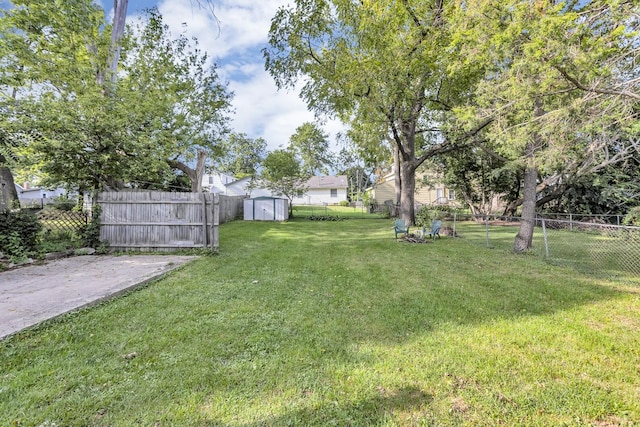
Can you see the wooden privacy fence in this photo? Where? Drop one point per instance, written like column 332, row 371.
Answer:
column 163, row 221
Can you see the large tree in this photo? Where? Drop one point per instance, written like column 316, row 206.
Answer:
column 557, row 83
column 382, row 63
column 311, row 145
column 242, row 156
column 166, row 108
column 283, row 174
column 35, row 41
column 175, row 73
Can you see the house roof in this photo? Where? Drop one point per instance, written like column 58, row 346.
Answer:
column 339, row 181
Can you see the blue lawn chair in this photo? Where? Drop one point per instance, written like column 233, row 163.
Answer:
column 435, row 229
column 400, row 227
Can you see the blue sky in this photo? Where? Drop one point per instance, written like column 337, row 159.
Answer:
column 235, row 44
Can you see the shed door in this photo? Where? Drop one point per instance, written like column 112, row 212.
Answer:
column 263, row 210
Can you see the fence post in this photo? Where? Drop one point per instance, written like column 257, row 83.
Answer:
column 203, row 198
column 570, row 222
column 455, row 214
column 544, row 234
column 215, row 224
column 486, row 226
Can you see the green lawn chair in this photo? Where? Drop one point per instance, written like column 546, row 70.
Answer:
column 400, row 227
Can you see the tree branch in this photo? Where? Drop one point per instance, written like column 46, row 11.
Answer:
column 579, row 85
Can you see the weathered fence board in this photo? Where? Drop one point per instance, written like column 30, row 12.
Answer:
column 163, row 221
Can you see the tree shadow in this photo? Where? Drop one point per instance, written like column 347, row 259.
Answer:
column 389, row 404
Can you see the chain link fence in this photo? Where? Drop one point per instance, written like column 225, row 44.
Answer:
column 602, row 250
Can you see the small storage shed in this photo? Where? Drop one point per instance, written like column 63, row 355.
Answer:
column 266, row 209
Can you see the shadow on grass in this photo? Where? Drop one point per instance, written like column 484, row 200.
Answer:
column 367, row 283
column 407, row 401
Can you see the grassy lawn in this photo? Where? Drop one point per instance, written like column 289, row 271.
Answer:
column 606, row 253
column 313, row 323
column 306, row 211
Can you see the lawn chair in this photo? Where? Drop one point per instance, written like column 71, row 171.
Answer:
column 400, row 227
column 435, row 229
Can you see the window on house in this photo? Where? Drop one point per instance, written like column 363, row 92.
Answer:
column 334, row 192
column 439, row 194
column 452, row 194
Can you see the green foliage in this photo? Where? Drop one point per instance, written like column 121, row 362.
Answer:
column 242, row 156
column 78, row 128
column 64, row 203
column 380, row 66
column 311, row 145
column 540, row 92
column 344, row 203
column 283, row 175
column 58, row 241
column 632, row 217
column 427, row 214
column 19, row 233
column 91, row 233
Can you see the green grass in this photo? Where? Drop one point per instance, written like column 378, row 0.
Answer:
column 305, row 211
column 605, row 253
column 57, row 241
column 311, row 323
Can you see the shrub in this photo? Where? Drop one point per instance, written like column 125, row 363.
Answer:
column 91, row 232
column 344, row 203
column 632, row 217
column 19, row 233
column 424, row 216
column 64, row 203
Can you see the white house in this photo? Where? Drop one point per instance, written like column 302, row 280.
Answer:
column 324, row 190
column 216, row 182
column 320, row 189
column 35, row 196
column 242, row 187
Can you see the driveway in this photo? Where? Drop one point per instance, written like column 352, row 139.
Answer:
column 32, row 294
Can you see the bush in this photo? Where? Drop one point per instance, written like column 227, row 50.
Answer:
column 19, row 233
column 344, row 203
column 425, row 216
column 64, row 203
column 632, row 217
column 91, row 232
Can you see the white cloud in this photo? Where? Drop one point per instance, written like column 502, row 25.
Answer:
column 234, row 43
column 241, row 24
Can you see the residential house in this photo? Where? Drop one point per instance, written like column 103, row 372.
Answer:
column 429, row 191
column 330, row 190
column 216, row 182
column 320, row 189
column 36, row 196
column 242, row 187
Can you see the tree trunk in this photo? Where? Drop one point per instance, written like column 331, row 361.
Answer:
column 196, row 185
column 195, row 175
column 8, row 192
column 396, row 175
column 408, row 177
column 524, row 238
column 117, row 31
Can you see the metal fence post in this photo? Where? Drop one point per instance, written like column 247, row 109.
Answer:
column 544, row 234
column 486, row 226
column 455, row 214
